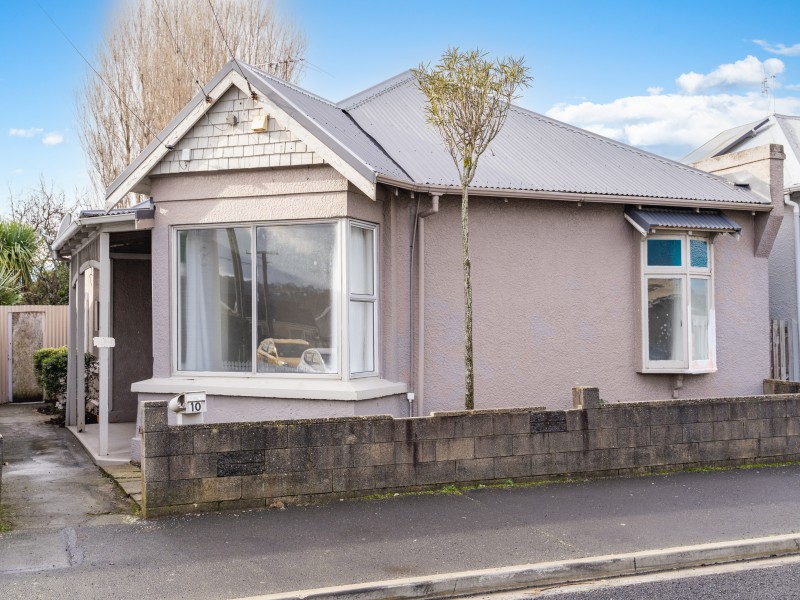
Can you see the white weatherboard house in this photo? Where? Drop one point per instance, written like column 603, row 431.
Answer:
column 736, row 153
column 301, row 258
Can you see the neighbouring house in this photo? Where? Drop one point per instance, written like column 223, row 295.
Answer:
column 298, row 257
column 739, row 154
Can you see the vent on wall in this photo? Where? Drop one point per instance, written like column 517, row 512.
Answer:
column 260, row 123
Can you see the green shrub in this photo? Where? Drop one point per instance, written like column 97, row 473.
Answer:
column 50, row 365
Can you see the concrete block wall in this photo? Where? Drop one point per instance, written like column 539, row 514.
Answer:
column 217, row 146
column 780, row 386
column 247, row 465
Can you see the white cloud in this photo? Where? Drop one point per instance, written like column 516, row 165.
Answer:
column 782, row 49
column 672, row 123
column 655, row 90
column 53, row 139
column 24, row 133
column 743, row 73
column 17, row 171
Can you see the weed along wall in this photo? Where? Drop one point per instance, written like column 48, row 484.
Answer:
column 245, row 465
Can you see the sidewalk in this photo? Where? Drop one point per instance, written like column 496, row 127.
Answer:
column 248, row 553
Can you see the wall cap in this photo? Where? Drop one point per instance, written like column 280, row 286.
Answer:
column 354, row 390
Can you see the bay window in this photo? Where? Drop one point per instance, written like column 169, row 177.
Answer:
column 281, row 299
column 678, row 309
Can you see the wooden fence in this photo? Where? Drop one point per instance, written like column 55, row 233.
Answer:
column 56, row 322
column 785, row 350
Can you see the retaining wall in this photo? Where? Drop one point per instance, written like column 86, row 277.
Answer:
column 245, row 465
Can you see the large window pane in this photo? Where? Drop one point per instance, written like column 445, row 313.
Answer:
column 665, row 319
column 214, row 300
column 664, row 253
column 362, row 346
column 700, row 304
column 361, row 260
column 297, row 294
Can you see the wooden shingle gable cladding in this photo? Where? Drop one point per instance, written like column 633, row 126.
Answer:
column 217, row 144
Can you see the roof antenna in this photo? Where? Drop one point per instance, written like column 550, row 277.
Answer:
column 766, row 91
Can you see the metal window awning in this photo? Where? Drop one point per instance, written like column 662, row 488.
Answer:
column 647, row 220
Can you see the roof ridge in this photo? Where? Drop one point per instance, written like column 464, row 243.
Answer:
column 272, row 78
column 364, row 96
column 618, row 144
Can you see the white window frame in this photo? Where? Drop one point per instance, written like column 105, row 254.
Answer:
column 350, row 297
column 341, row 277
column 685, row 273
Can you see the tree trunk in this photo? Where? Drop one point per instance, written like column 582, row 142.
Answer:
column 469, row 387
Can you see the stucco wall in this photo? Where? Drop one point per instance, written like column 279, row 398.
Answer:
column 782, row 295
column 555, row 306
column 555, row 288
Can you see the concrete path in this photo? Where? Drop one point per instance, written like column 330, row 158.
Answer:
column 49, row 481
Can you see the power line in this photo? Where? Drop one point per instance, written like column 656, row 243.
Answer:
column 179, row 53
column 222, row 33
column 111, row 89
column 208, row 98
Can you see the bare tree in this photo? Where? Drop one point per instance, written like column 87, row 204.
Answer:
column 468, row 101
column 157, row 54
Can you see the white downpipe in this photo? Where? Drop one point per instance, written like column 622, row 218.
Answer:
column 420, row 396
column 796, row 223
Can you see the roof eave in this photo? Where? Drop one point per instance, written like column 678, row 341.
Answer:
column 443, row 190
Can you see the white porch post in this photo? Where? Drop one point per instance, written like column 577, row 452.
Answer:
column 104, row 379
column 80, row 350
column 71, row 408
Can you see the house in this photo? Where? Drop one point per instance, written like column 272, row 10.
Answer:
column 734, row 153
column 302, row 258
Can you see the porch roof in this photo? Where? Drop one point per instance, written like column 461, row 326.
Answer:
column 75, row 231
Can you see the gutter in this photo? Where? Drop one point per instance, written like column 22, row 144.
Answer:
column 446, row 190
column 796, row 224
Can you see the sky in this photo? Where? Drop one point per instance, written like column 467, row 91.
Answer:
column 663, row 76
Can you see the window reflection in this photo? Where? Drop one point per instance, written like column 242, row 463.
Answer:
column 297, row 298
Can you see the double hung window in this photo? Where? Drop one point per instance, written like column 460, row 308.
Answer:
column 277, row 298
column 678, row 306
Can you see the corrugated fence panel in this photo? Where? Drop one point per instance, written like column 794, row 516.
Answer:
column 56, row 323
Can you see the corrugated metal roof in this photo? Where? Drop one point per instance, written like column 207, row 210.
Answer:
column 775, row 129
column 141, row 208
column 331, row 125
column 705, row 220
column 382, row 132
column 531, row 153
column 723, row 142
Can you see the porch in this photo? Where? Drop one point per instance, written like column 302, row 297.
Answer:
column 111, row 319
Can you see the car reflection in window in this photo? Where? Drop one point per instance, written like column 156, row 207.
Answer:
column 280, row 355
column 316, row 360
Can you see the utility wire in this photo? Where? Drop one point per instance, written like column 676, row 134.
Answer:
column 188, row 66
column 111, row 89
column 222, row 33
column 179, row 53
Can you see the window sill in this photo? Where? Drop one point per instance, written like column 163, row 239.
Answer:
column 677, row 371
column 365, row 388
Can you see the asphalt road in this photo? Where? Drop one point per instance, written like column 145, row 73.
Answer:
column 778, row 580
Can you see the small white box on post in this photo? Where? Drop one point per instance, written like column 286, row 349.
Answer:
column 189, row 407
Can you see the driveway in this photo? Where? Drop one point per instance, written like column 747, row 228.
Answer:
column 49, row 481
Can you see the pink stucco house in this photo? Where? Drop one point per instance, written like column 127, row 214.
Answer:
column 301, row 258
